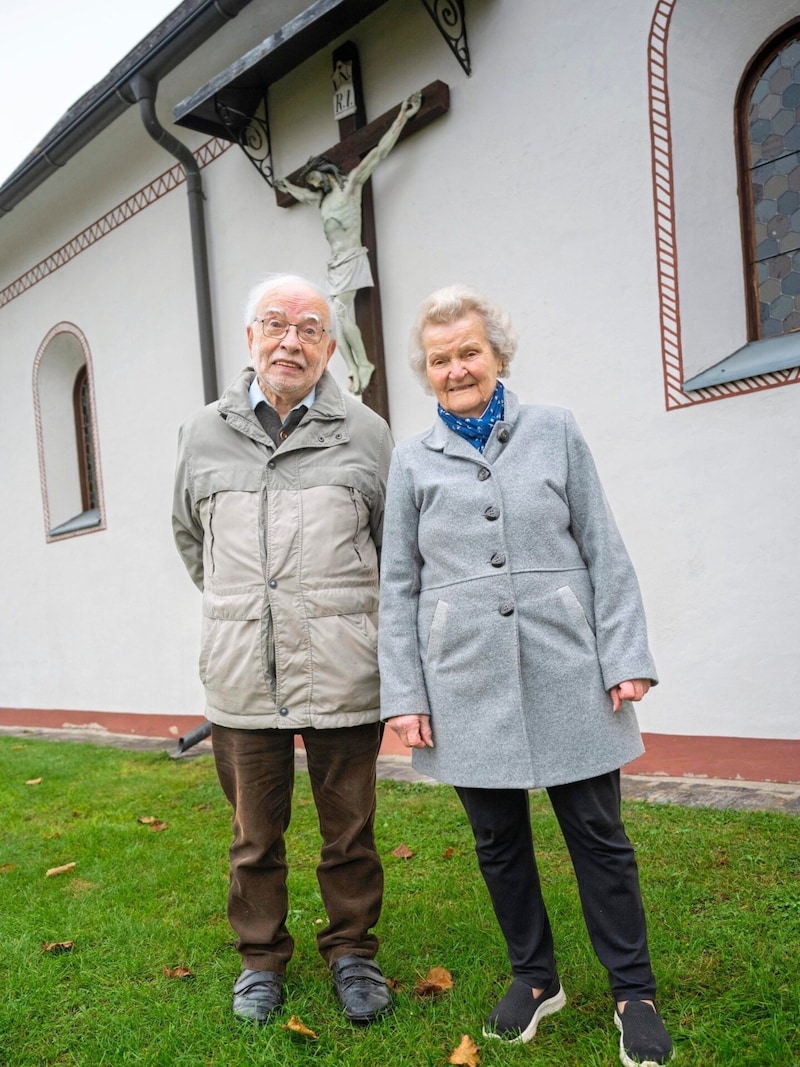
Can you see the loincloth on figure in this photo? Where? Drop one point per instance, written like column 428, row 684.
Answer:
column 349, row 270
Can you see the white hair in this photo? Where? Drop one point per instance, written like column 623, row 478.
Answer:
column 276, row 281
column 452, row 303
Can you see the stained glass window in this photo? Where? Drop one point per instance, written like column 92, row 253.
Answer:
column 87, row 464
column 773, row 133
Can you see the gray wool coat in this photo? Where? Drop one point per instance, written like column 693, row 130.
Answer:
column 509, row 605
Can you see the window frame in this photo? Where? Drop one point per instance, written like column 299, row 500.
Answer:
column 78, row 401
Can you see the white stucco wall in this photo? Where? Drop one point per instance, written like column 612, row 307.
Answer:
column 535, row 187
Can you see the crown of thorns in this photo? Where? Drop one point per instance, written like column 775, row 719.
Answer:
column 322, row 165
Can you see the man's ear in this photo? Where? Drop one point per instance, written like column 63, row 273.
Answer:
column 331, row 350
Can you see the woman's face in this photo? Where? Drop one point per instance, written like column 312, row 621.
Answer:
column 460, row 364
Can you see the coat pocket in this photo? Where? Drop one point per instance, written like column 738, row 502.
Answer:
column 576, row 614
column 436, row 634
column 236, row 652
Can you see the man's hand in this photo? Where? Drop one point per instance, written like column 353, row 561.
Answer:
column 413, row 730
column 411, row 104
column 634, row 689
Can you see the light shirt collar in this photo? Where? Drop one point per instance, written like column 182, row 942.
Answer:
column 256, row 395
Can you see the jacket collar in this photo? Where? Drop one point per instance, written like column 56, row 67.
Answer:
column 328, row 407
column 440, row 438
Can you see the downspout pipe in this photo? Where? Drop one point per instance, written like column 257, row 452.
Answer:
column 144, row 92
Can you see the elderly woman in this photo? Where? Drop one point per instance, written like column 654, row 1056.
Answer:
column 512, row 642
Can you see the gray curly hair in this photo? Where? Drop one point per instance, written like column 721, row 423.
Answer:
column 452, row 303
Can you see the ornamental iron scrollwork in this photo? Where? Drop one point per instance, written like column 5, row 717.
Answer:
column 452, row 24
column 251, row 133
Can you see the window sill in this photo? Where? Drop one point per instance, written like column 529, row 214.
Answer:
column 85, row 521
column 756, row 357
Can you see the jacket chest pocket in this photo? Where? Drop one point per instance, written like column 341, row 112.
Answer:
column 232, row 544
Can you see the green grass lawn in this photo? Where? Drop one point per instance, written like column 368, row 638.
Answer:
column 722, row 891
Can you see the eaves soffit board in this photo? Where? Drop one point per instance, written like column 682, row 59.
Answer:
column 244, row 81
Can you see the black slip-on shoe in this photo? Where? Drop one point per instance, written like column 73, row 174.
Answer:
column 361, row 988
column 643, row 1038
column 519, row 1013
column 257, row 995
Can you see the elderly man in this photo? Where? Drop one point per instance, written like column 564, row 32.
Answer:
column 277, row 516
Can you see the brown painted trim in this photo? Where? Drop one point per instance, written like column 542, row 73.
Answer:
column 752, row 759
column 666, row 239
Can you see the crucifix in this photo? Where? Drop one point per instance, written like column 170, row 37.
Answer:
column 337, row 182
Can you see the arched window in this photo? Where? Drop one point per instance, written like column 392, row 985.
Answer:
column 66, row 428
column 768, row 113
column 767, row 122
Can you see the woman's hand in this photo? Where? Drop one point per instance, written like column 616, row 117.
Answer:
column 413, row 730
column 634, row 689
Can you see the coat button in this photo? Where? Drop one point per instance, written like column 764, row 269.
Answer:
column 483, row 474
column 503, row 435
column 498, row 560
column 272, row 583
column 507, row 608
column 492, row 513
column 271, row 464
column 283, row 711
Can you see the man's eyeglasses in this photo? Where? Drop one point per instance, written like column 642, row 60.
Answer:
column 309, row 331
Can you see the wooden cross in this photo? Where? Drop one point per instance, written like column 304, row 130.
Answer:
column 356, row 139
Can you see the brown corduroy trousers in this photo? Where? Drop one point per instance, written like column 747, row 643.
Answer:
column 256, row 771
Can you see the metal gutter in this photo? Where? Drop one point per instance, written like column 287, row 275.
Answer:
column 180, row 34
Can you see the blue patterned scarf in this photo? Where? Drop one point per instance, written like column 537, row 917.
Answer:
column 477, row 431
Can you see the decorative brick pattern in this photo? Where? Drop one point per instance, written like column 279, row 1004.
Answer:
column 122, row 213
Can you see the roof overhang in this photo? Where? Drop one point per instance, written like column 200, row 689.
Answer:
column 244, row 83
column 172, row 41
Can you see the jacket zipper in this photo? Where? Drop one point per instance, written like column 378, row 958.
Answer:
column 358, row 523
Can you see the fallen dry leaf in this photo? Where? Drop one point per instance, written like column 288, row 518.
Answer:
column 178, row 972
column 437, row 981
column 466, row 1053
column 448, row 853
column 403, row 852
column 152, row 823
column 34, row 781
column 393, row 984
column 299, row 1027
column 59, row 870
column 54, row 947
column 6, row 867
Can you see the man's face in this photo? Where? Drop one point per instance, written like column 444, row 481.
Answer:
column 315, row 179
column 286, row 368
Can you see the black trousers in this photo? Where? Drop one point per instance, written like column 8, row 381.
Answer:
column 588, row 813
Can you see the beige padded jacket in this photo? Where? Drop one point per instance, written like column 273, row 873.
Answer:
column 284, row 542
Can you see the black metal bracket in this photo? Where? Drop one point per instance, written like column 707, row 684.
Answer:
column 452, row 24
column 250, row 132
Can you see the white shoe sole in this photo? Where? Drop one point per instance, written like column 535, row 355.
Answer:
column 549, row 1007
